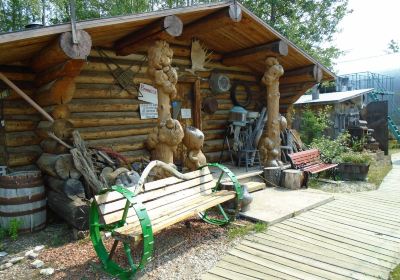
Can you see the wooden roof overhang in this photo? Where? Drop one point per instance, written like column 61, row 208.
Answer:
column 246, row 42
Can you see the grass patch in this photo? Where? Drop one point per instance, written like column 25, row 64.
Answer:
column 377, row 173
column 394, row 151
column 313, row 183
column 395, row 274
column 236, row 231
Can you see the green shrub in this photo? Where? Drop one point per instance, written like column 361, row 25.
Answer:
column 13, row 228
column 331, row 149
column 314, row 124
column 354, row 157
column 3, row 233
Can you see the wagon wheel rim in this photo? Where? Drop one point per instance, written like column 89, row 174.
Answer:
column 227, row 218
column 105, row 255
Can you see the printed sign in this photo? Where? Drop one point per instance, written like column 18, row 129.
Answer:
column 186, row 113
column 148, row 111
column 148, row 93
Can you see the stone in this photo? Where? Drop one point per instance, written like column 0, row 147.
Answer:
column 3, row 254
column 32, row 255
column 37, row 264
column 38, row 248
column 16, row 259
column 6, row 265
column 28, row 253
column 47, row 271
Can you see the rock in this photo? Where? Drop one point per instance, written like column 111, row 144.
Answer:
column 28, row 253
column 6, row 265
column 16, row 259
column 32, row 255
column 47, row 271
column 37, row 264
column 38, row 248
column 3, row 254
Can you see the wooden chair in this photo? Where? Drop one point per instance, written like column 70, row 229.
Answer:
column 128, row 217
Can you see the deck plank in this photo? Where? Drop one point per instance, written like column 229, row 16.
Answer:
column 356, row 236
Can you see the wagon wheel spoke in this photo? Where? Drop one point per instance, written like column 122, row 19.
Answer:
column 112, row 251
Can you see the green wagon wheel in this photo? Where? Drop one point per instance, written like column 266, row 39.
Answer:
column 226, row 217
column 98, row 230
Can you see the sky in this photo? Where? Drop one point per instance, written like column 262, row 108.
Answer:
column 366, row 34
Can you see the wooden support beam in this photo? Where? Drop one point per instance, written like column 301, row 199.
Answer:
column 197, row 105
column 258, row 53
column 210, row 23
column 163, row 29
column 289, row 89
column 70, row 68
column 306, row 74
column 61, row 50
column 60, row 91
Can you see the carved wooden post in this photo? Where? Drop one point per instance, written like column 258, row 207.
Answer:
column 193, row 140
column 164, row 139
column 272, row 142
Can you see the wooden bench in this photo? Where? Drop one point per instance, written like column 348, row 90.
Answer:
column 310, row 162
column 128, row 218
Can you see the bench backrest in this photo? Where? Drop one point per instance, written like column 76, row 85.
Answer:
column 158, row 197
column 305, row 158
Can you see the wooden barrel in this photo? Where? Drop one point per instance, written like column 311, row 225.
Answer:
column 23, row 197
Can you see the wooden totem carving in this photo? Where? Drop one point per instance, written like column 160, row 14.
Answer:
column 164, row 139
column 271, row 144
column 193, row 140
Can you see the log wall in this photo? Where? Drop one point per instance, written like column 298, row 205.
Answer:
column 18, row 140
column 107, row 116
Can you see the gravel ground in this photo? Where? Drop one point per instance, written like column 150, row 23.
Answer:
column 181, row 252
column 343, row 186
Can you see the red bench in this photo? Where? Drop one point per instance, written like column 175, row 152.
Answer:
column 309, row 161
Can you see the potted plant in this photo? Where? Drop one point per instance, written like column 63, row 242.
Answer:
column 354, row 166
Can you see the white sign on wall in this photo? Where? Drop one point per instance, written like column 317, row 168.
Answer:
column 186, row 113
column 148, row 93
column 148, row 111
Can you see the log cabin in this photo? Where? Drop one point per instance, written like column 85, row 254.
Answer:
column 79, row 84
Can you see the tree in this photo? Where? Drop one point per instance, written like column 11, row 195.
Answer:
column 393, row 46
column 308, row 23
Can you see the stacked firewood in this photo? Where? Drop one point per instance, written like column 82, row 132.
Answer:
column 74, row 178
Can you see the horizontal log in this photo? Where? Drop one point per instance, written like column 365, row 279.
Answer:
column 75, row 212
column 109, row 105
column 215, row 157
column 214, row 125
column 303, row 75
column 105, row 133
column 213, row 145
column 217, row 20
column 60, row 91
column 19, row 159
column 165, row 28
column 26, row 138
column 115, row 141
column 109, row 92
column 70, row 68
column 20, row 125
column 108, row 121
column 62, row 49
column 23, row 76
column 258, row 53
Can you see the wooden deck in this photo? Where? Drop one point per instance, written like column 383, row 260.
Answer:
column 356, row 236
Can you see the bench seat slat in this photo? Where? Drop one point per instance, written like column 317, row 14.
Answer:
column 183, row 213
column 112, row 196
column 320, row 168
column 146, row 196
column 163, row 203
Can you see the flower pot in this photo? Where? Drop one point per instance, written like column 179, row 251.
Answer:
column 353, row 171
